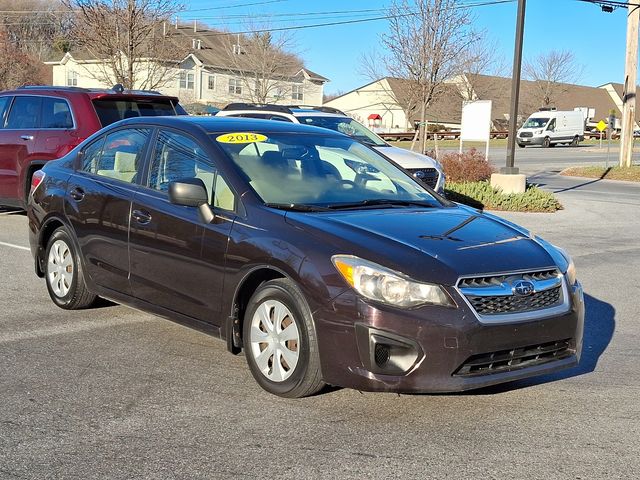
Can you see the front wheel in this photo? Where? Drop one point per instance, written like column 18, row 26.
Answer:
column 63, row 273
column 280, row 341
column 546, row 143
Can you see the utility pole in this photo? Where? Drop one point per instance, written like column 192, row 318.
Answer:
column 515, row 92
column 629, row 93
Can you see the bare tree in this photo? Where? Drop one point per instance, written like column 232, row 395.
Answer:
column 424, row 42
column 264, row 62
column 30, row 71
column 35, row 27
column 481, row 62
column 550, row 71
column 128, row 40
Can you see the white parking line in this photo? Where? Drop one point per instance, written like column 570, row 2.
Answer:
column 69, row 328
column 19, row 247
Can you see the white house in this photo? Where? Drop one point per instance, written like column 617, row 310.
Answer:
column 205, row 75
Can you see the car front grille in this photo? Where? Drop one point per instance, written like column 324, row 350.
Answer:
column 495, row 295
column 516, row 358
column 428, row 176
column 526, row 135
column 497, row 304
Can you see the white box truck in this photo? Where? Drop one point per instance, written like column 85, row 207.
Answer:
column 552, row 127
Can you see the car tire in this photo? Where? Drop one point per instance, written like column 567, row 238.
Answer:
column 63, row 273
column 284, row 364
column 521, row 145
column 546, row 143
column 575, row 141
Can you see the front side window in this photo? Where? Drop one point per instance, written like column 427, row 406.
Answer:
column 323, row 171
column 120, row 156
column 56, row 113
column 178, row 157
column 4, row 105
column 235, row 86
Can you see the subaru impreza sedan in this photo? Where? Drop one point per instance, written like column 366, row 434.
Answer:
column 315, row 255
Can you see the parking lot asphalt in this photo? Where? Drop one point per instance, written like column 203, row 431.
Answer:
column 115, row 393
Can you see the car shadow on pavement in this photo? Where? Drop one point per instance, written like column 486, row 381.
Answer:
column 599, row 325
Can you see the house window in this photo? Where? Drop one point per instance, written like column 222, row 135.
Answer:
column 235, row 87
column 296, row 92
column 187, row 80
column 211, row 82
column 72, row 78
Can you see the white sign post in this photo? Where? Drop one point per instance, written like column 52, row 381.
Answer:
column 476, row 123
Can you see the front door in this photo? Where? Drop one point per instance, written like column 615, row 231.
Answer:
column 177, row 261
column 99, row 200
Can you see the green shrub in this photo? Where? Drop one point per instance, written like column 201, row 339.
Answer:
column 482, row 195
column 470, row 166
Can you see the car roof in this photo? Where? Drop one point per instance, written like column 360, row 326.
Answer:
column 93, row 93
column 228, row 124
column 302, row 112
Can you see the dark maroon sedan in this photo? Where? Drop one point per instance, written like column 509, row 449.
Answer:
column 321, row 259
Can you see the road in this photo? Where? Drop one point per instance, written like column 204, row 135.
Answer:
column 116, row 393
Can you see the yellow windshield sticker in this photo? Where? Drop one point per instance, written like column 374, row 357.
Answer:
column 241, row 137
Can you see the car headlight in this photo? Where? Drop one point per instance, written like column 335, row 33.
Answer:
column 538, row 132
column 571, row 267
column 386, row 286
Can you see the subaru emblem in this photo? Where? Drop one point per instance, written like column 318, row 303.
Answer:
column 523, row 288
column 420, row 175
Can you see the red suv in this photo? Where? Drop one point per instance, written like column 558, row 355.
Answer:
column 38, row 124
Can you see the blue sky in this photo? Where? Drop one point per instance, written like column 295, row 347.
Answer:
column 597, row 39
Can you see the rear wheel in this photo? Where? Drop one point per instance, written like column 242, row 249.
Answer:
column 63, row 273
column 546, row 143
column 280, row 341
column 574, row 142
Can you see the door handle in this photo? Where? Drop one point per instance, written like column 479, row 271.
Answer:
column 141, row 217
column 26, row 137
column 77, row 194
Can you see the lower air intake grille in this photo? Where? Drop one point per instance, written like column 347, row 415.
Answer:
column 507, row 360
column 510, row 303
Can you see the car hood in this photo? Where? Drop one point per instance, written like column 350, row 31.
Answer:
column 433, row 244
column 408, row 159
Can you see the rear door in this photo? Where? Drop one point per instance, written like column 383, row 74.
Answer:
column 177, row 261
column 98, row 203
column 18, row 145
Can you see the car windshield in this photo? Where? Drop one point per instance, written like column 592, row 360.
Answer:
column 306, row 170
column 111, row 110
column 535, row 123
column 345, row 125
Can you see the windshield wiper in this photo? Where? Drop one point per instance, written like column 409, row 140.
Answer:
column 381, row 202
column 297, row 207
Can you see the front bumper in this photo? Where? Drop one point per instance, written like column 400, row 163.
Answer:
column 446, row 342
column 530, row 140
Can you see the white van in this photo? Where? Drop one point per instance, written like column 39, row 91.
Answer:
column 552, row 127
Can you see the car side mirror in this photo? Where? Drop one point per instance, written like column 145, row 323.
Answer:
column 191, row 192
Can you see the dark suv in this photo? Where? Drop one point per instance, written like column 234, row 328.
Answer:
column 38, row 124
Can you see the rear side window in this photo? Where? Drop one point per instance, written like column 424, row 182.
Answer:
column 119, row 157
column 25, row 113
column 56, row 113
column 110, row 111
